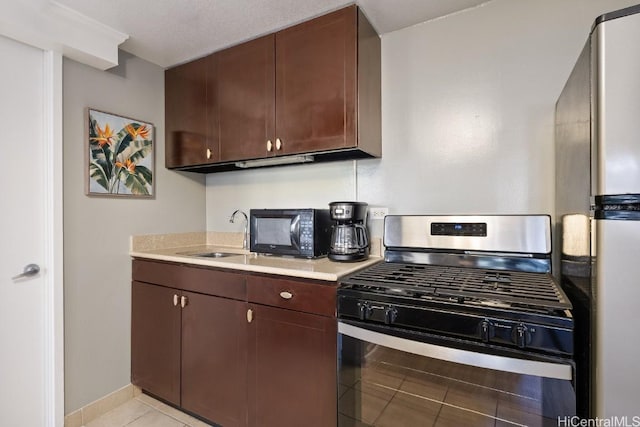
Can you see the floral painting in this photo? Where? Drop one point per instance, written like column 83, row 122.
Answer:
column 120, row 156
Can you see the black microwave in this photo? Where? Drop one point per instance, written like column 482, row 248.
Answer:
column 304, row 233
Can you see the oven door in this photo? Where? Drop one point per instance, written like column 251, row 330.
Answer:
column 386, row 380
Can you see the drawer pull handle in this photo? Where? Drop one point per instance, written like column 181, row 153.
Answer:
column 249, row 316
column 175, row 300
column 269, row 145
column 286, row 295
column 208, row 153
column 278, row 144
column 183, row 302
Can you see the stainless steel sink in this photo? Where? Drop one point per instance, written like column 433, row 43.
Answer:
column 210, row 254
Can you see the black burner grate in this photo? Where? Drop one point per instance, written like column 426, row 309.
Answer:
column 461, row 284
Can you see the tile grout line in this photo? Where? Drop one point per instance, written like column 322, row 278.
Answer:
column 508, row 393
column 158, row 409
column 435, row 420
column 106, row 414
column 389, row 401
column 448, row 404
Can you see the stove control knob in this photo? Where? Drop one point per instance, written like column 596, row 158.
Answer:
column 363, row 310
column 485, row 330
column 390, row 315
column 520, row 335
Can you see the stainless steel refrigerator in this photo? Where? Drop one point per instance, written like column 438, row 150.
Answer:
column 597, row 140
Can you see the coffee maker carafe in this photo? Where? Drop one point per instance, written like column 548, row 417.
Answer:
column 349, row 237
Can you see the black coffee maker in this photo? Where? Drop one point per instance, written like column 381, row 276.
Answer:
column 349, row 237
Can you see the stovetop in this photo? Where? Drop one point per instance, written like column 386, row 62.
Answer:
column 488, row 310
column 473, row 282
column 509, row 290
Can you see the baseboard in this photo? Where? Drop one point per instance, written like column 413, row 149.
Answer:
column 101, row 406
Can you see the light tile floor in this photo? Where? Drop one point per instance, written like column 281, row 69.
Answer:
column 145, row 411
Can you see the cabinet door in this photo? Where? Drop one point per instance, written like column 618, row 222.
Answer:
column 155, row 340
column 316, row 83
column 245, row 79
column 292, row 368
column 214, row 358
column 212, row 153
column 189, row 114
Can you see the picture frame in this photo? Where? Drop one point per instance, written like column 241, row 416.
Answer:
column 120, row 158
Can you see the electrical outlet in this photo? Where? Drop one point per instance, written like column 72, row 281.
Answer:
column 377, row 212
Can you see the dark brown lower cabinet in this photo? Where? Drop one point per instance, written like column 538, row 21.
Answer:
column 193, row 356
column 233, row 348
column 292, row 368
column 155, row 340
column 214, row 359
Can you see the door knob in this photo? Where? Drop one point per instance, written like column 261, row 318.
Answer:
column 269, row 145
column 29, row 270
column 278, row 144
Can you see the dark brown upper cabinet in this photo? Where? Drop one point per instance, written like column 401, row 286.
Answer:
column 191, row 125
column 311, row 89
column 316, row 84
column 246, row 111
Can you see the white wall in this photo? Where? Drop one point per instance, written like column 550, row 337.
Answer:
column 467, row 118
column 300, row 186
column 97, row 277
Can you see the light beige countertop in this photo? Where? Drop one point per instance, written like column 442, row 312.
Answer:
column 160, row 247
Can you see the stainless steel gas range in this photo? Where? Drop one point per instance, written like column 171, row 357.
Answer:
column 462, row 324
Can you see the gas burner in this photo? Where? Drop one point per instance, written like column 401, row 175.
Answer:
column 497, row 282
column 463, row 285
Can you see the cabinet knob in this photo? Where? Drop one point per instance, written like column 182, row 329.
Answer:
column 269, row 145
column 278, row 144
column 286, row 295
column 249, row 316
column 208, row 153
column 183, row 301
column 175, row 300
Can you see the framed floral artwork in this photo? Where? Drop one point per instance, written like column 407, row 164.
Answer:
column 120, row 156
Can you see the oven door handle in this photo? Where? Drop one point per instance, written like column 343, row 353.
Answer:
column 500, row 363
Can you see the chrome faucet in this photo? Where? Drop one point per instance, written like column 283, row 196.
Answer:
column 245, row 240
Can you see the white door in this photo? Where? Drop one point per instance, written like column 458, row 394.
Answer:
column 26, row 350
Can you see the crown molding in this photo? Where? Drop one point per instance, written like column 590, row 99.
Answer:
column 48, row 25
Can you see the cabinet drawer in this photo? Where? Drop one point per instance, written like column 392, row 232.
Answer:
column 202, row 280
column 308, row 297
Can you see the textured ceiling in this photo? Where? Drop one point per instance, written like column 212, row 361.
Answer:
column 169, row 32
